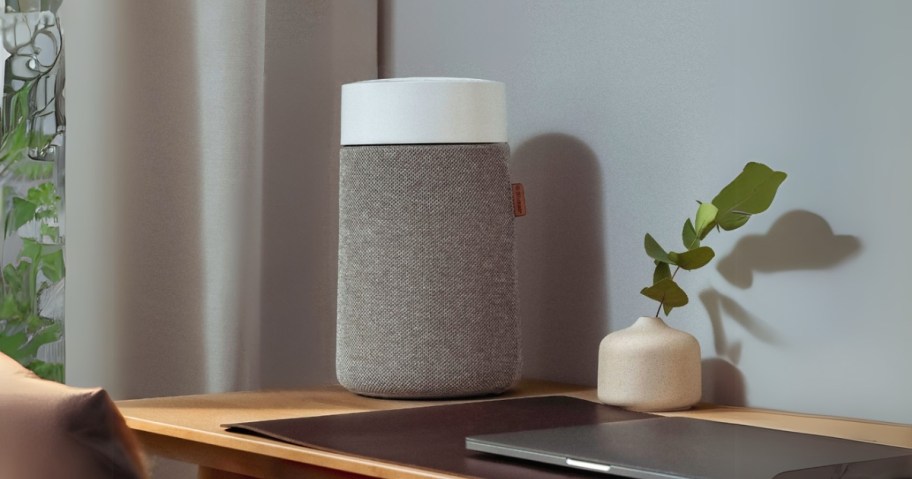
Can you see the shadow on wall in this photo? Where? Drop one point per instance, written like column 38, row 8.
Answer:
column 301, row 184
column 717, row 303
column 560, row 258
column 723, row 383
column 797, row 241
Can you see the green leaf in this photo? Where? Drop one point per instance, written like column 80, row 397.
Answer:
column 668, row 293
column 51, row 232
column 50, row 371
column 662, row 271
column 52, row 266
column 46, row 335
column 706, row 219
column 751, row 192
column 13, row 274
column 14, row 144
column 9, row 308
column 655, row 251
column 11, row 345
column 40, row 140
column 44, row 194
column 23, row 212
column 31, row 250
column 689, row 235
column 45, row 213
column 34, row 170
column 695, row 258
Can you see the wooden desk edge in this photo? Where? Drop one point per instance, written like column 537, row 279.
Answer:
column 296, row 462
column 252, row 455
column 162, row 438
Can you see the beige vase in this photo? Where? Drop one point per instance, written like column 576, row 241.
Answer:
column 649, row 367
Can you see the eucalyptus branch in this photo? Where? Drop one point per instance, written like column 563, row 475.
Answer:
column 662, row 302
column 750, row 193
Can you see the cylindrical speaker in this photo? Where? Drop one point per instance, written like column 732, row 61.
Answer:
column 427, row 276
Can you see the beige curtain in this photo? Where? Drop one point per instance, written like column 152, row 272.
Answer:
column 202, row 189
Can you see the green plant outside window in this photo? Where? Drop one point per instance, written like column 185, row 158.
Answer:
column 32, row 127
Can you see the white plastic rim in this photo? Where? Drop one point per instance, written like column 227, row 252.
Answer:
column 400, row 111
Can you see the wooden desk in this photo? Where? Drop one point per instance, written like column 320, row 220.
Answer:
column 187, row 429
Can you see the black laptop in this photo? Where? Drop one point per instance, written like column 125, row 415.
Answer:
column 665, row 448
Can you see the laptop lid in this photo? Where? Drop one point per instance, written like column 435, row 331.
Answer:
column 664, row 448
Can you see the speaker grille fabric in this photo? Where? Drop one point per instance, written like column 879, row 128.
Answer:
column 427, row 280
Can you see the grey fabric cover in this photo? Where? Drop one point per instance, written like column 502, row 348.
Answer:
column 49, row 430
column 427, row 281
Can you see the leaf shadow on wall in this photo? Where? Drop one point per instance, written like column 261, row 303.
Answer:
column 798, row 241
column 723, row 383
column 560, row 258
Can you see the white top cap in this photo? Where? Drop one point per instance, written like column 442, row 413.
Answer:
column 423, row 110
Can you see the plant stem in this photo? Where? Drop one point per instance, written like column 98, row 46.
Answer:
column 662, row 303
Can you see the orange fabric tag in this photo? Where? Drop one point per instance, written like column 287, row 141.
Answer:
column 519, row 200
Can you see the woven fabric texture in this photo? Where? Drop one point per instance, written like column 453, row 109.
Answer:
column 427, row 276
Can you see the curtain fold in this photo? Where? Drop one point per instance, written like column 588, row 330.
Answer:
column 203, row 147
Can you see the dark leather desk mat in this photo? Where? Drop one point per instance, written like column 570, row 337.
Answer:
column 433, row 437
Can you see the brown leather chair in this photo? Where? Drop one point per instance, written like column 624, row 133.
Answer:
column 52, row 431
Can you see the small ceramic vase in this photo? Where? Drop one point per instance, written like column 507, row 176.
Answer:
column 649, row 367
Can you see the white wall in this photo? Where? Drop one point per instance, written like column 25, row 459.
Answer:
column 623, row 113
